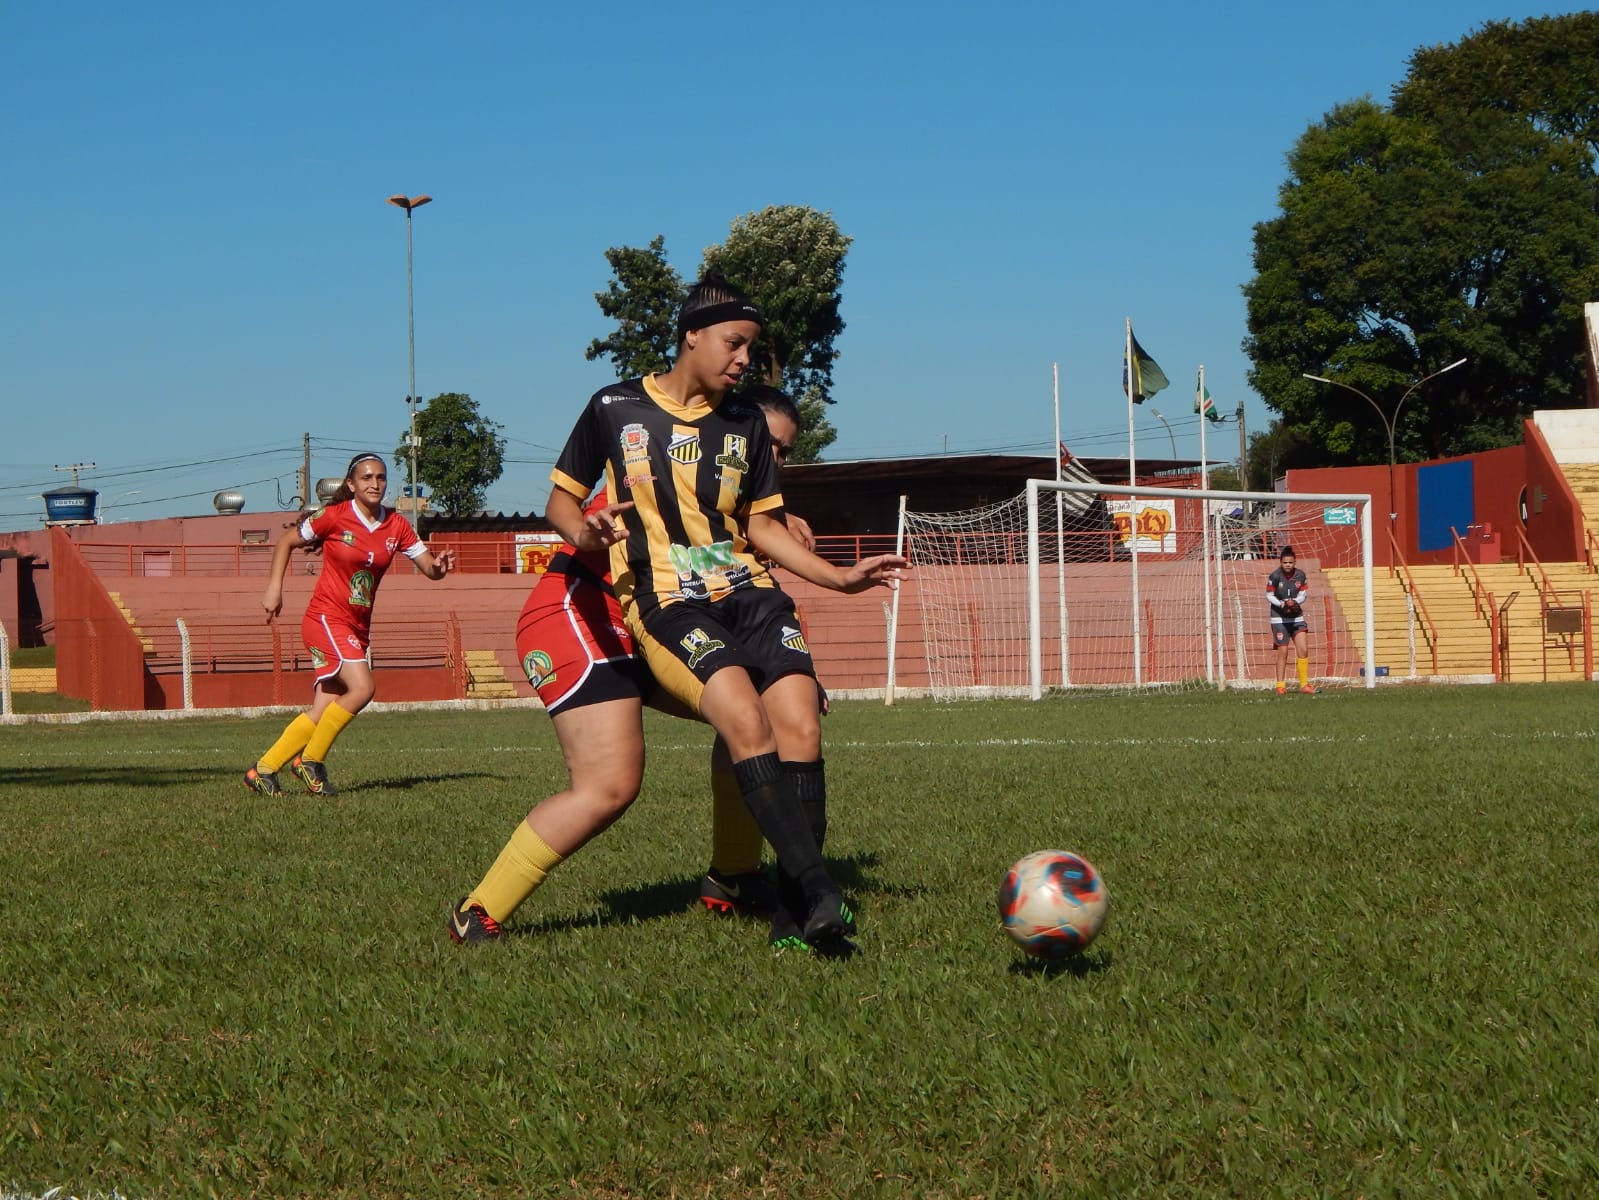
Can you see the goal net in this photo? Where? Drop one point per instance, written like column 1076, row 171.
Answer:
column 1082, row 584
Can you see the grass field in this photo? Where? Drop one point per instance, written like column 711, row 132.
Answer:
column 1352, row 952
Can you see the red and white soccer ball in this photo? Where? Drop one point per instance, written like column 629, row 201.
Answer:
column 1053, row 903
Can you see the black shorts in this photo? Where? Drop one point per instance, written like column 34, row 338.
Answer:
column 753, row 628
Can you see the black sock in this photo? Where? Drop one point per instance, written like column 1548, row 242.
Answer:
column 771, row 796
column 810, row 786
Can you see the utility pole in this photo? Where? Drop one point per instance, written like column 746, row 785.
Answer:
column 75, row 468
column 1243, row 452
column 305, row 472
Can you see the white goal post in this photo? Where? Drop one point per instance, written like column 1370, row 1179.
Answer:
column 1087, row 585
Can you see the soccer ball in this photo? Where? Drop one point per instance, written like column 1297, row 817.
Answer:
column 1053, row 903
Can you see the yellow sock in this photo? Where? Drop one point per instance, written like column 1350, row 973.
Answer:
column 735, row 837
column 1304, row 672
column 331, row 724
column 290, row 742
column 522, row 866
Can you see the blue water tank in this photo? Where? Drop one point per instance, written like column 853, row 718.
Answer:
column 70, row 506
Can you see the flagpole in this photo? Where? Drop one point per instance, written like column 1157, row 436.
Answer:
column 1204, row 508
column 1130, row 373
column 1060, row 537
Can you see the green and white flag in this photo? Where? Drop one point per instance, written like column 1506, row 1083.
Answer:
column 1203, row 404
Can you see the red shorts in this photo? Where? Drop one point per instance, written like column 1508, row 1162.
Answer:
column 573, row 646
column 332, row 643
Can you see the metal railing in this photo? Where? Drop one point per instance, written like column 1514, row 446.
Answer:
column 1398, row 566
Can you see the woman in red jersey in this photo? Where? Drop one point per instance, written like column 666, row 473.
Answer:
column 359, row 539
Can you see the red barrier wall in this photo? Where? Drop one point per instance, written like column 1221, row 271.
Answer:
column 98, row 657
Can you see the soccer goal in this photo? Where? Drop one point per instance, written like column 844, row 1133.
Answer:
column 1088, row 585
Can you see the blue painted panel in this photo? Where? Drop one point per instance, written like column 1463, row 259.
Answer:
column 1443, row 498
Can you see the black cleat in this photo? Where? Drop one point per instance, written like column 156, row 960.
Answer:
column 314, row 775
column 263, row 783
column 472, row 923
column 747, row 893
column 830, row 919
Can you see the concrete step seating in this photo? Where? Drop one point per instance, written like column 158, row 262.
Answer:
column 1461, row 619
column 486, row 678
column 127, row 615
column 1584, row 481
column 38, row 680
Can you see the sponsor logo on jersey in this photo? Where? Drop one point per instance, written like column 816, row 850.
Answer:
column 699, row 645
column 538, row 667
column 632, row 481
column 733, row 456
column 635, row 443
column 701, row 560
column 347, row 537
column 391, row 544
column 318, row 659
column 684, row 448
column 795, row 640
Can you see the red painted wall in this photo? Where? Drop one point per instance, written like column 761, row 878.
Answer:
column 98, row 657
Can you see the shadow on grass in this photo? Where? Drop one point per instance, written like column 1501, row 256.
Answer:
column 128, row 776
column 402, row 783
column 1079, row 966
column 669, row 897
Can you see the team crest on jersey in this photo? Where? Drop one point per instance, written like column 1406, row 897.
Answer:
column 684, row 448
column 699, row 644
column 538, row 668
column 635, row 443
column 347, row 537
column 734, row 449
column 318, row 659
column 794, row 639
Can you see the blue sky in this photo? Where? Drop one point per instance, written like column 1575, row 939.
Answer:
column 199, row 267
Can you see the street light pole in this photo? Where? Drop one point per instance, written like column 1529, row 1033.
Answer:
column 411, row 203
column 1169, row 436
column 1390, row 424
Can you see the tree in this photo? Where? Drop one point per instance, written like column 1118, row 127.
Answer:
column 790, row 260
column 1411, row 237
column 460, row 455
column 643, row 298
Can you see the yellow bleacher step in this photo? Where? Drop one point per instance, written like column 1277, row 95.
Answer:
column 127, row 615
column 485, row 677
column 33, row 679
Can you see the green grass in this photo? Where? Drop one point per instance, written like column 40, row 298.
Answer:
column 1352, row 952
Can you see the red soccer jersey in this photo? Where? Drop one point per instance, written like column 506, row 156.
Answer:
column 355, row 554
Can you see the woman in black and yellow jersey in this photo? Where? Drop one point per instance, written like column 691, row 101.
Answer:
column 696, row 509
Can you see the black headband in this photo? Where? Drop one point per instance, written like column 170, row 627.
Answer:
column 715, row 314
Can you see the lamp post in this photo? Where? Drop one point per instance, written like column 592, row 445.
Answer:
column 1169, row 436
column 410, row 204
column 1389, row 424
column 107, row 508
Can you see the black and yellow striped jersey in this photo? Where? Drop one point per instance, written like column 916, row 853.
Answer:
column 695, row 474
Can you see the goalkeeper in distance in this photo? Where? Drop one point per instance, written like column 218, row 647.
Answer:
column 1286, row 588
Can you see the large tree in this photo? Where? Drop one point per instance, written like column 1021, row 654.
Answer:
column 1414, row 236
column 460, row 455
column 643, row 297
column 790, row 259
